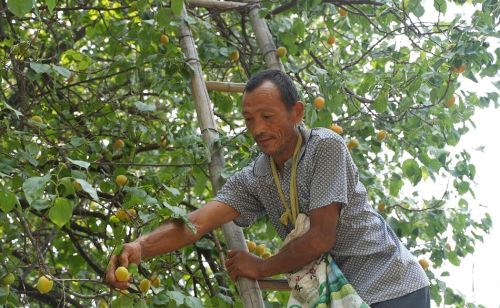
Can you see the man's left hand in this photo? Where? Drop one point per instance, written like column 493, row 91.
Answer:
column 242, row 263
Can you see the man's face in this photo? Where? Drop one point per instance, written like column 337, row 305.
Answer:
column 271, row 124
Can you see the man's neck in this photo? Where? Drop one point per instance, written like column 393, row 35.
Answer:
column 283, row 157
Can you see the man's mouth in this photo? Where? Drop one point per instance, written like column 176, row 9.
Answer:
column 263, row 140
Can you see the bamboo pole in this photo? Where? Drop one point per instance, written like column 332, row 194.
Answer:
column 249, row 289
column 274, row 284
column 214, row 4
column 268, row 48
column 225, row 86
column 264, row 39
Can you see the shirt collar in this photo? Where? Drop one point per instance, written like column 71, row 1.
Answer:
column 262, row 166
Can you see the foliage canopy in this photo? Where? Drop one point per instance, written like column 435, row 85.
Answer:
column 79, row 75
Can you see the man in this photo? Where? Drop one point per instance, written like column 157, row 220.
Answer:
column 370, row 255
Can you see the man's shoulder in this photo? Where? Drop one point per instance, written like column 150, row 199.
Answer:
column 321, row 135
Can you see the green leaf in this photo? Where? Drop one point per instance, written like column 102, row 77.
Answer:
column 177, row 6
column 164, row 16
column 16, row 112
column 177, row 212
column 133, row 268
column 51, row 4
column 67, row 185
column 440, row 5
column 8, row 201
column 61, row 70
column 177, row 296
column 412, row 171
column 395, row 185
column 4, row 291
column 88, row 189
column 39, row 68
column 193, row 302
column 118, row 250
column 33, row 187
column 145, row 107
column 380, row 104
column 20, row 7
column 453, row 258
column 80, row 163
column 61, row 212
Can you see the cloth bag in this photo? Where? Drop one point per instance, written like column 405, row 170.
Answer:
column 319, row 284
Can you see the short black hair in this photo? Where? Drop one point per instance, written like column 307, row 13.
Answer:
column 282, row 81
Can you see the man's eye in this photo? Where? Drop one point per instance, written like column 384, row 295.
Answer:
column 266, row 116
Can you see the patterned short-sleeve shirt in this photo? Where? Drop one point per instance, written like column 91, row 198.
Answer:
column 367, row 250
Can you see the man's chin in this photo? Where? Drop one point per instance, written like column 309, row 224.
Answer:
column 265, row 150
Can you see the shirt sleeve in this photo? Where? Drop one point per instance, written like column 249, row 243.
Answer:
column 237, row 194
column 329, row 181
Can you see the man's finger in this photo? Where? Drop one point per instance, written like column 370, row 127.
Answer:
column 120, row 285
column 110, row 274
column 123, row 257
column 229, row 262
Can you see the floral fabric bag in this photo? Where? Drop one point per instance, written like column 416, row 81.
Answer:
column 320, row 283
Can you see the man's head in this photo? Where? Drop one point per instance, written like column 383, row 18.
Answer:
column 281, row 80
column 272, row 110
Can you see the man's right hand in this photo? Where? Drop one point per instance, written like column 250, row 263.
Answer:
column 131, row 253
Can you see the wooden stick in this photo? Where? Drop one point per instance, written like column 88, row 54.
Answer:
column 214, row 4
column 274, row 284
column 264, row 39
column 225, row 86
column 248, row 289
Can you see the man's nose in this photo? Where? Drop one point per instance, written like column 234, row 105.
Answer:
column 257, row 128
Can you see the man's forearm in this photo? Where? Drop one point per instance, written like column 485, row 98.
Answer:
column 295, row 255
column 169, row 237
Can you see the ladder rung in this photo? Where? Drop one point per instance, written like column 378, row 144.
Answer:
column 225, row 86
column 274, row 284
column 214, row 4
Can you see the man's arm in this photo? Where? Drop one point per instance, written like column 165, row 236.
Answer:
column 170, row 236
column 319, row 239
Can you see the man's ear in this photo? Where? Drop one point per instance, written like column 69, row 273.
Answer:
column 298, row 111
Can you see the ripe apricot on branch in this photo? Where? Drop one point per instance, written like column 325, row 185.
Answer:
column 251, row 246
column 44, row 284
column 352, row 144
column 234, row 56
column 122, row 215
column 319, row 102
column 458, row 69
column 424, row 263
column 343, row 12
column 144, row 285
column 77, row 186
column 281, row 52
column 331, row 40
column 121, row 180
column 121, row 274
column 381, row 207
column 155, row 281
column 450, row 102
column 131, row 213
column 118, row 144
column 37, row 118
column 164, row 39
column 266, row 255
column 102, row 304
column 381, row 135
column 337, row 128
column 260, row 249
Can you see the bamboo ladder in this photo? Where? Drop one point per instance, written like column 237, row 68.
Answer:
column 249, row 289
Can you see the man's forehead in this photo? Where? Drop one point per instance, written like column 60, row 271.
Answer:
column 266, row 90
